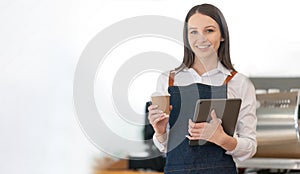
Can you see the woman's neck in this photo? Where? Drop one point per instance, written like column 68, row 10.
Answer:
column 202, row 66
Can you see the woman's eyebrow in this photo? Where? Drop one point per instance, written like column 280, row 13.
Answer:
column 192, row 28
column 210, row 26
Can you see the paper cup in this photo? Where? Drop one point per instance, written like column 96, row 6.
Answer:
column 162, row 100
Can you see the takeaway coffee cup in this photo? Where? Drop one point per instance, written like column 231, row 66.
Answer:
column 162, row 100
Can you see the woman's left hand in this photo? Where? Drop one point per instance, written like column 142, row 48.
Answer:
column 212, row 131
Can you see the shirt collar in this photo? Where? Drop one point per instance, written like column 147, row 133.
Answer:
column 220, row 68
column 223, row 69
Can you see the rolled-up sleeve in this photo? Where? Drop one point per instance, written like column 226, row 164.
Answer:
column 246, row 124
column 162, row 146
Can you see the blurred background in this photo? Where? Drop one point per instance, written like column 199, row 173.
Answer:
column 41, row 43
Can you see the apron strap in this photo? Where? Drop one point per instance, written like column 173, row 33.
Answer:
column 172, row 75
column 171, row 78
column 229, row 77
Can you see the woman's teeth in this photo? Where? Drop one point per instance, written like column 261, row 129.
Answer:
column 202, row 46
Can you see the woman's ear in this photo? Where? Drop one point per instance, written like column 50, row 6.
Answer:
column 222, row 39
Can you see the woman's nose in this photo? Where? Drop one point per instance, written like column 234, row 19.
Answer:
column 199, row 37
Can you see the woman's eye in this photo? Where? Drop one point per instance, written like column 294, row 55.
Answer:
column 193, row 32
column 209, row 30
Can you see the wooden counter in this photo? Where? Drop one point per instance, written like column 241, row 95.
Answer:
column 112, row 166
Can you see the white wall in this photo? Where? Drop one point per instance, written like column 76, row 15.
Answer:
column 41, row 42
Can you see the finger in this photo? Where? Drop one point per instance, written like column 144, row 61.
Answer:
column 195, row 131
column 171, row 107
column 196, row 125
column 191, row 138
column 191, row 123
column 194, row 134
column 163, row 117
column 151, row 107
column 214, row 117
column 155, row 111
column 153, row 117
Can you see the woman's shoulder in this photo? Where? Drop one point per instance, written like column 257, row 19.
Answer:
column 166, row 74
column 163, row 81
column 242, row 79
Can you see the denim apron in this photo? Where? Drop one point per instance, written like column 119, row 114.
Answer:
column 182, row 158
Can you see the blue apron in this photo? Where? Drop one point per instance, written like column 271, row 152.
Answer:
column 181, row 157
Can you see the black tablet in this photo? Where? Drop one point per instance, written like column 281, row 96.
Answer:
column 226, row 109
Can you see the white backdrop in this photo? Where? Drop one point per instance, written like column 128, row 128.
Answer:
column 41, row 42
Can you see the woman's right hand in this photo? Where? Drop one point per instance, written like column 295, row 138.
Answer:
column 158, row 120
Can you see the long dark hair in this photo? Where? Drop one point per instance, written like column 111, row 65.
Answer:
column 223, row 51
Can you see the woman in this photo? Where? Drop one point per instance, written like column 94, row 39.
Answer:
column 206, row 72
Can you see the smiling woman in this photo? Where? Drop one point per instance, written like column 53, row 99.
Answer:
column 40, row 50
column 205, row 73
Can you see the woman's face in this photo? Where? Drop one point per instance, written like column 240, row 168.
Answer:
column 204, row 35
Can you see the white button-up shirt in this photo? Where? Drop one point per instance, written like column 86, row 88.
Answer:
column 238, row 87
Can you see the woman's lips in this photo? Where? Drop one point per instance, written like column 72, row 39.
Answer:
column 202, row 46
